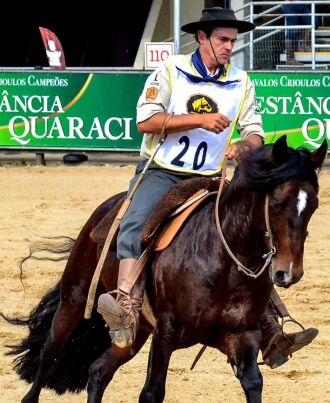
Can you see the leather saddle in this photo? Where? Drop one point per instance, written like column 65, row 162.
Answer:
column 168, row 216
column 166, row 220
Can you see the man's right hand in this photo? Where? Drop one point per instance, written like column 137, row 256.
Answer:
column 212, row 122
column 215, row 122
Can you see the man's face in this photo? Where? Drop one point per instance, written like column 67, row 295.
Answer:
column 222, row 40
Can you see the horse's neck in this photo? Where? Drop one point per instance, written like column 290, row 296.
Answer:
column 242, row 218
column 241, row 206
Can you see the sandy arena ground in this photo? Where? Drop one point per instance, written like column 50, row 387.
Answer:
column 57, row 200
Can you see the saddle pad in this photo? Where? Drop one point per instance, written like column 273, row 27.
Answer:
column 168, row 233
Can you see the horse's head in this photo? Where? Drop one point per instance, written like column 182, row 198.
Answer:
column 291, row 205
column 289, row 177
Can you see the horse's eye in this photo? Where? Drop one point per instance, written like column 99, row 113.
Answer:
column 276, row 205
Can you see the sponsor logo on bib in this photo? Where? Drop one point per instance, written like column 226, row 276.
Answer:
column 201, row 104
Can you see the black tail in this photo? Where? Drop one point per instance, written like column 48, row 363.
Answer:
column 87, row 342
column 39, row 323
column 56, row 249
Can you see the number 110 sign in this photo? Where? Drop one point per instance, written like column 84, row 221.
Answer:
column 156, row 52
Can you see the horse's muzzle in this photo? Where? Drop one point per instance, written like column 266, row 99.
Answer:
column 285, row 277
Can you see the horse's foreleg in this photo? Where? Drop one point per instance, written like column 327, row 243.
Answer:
column 103, row 369
column 159, row 358
column 65, row 319
column 242, row 351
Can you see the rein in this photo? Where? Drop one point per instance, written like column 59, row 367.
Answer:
column 116, row 222
column 268, row 234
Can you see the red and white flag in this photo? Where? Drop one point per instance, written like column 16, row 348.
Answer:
column 53, row 49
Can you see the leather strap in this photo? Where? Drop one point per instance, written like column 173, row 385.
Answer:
column 278, row 304
column 115, row 225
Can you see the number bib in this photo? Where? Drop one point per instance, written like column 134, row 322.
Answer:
column 199, row 151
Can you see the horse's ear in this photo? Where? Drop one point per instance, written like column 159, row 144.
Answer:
column 280, row 150
column 318, row 156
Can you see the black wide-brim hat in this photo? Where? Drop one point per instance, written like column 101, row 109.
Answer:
column 218, row 17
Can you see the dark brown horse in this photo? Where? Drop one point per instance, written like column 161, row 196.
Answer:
column 197, row 293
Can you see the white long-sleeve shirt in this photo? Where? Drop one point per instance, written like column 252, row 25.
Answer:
column 158, row 85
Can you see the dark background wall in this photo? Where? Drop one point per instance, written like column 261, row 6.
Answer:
column 93, row 35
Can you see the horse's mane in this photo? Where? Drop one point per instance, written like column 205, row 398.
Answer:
column 259, row 171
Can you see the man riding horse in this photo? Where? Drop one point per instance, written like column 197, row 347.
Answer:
column 196, row 145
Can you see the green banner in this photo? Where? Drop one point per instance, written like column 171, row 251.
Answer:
column 69, row 111
column 96, row 111
column 295, row 104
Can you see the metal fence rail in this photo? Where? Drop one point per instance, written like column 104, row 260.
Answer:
column 264, row 48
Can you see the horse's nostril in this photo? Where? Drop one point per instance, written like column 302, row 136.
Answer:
column 280, row 276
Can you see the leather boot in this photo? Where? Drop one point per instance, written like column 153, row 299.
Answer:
column 122, row 313
column 278, row 346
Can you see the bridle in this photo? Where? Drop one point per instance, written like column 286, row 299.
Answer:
column 268, row 233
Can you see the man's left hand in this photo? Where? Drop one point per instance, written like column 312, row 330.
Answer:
column 252, row 142
column 232, row 151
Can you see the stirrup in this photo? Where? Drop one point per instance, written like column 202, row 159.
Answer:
column 121, row 319
column 278, row 357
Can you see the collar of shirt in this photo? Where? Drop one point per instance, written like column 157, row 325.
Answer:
column 205, row 75
column 225, row 66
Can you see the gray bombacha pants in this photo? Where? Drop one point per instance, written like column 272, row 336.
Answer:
column 154, row 185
